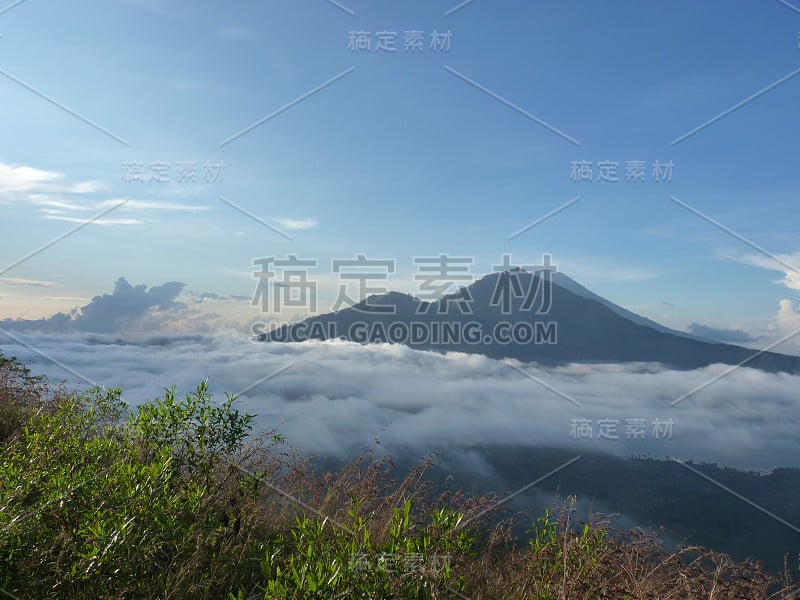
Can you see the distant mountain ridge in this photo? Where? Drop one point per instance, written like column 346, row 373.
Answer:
column 516, row 314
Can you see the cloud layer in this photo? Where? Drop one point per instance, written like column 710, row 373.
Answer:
column 335, row 398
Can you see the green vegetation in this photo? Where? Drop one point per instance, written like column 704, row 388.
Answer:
column 179, row 499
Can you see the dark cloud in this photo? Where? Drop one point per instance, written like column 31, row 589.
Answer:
column 110, row 313
column 721, row 335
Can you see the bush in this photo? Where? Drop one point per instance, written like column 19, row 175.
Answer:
column 97, row 507
column 319, row 560
column 21, row 394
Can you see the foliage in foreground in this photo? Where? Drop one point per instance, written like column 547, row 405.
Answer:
column 177, row 500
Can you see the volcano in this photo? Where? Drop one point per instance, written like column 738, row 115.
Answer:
column 543, row 317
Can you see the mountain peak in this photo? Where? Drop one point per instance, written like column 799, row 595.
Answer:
column 565, row 324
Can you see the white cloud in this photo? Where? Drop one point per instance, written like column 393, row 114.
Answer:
column 86, row 187
column 24, row 179
column 296, row 224
column 55, row 203
column 787, row 320
column 54, row 208
column 787, row 263
column 788, row 316
column 28, row 282
column 101, row 221
column 336, row 397
column 152, row 205
column 57, row 199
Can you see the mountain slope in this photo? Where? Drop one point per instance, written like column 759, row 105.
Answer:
column 576, row 288
column 499, row 316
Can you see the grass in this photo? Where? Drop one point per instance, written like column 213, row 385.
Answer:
column 180, row 499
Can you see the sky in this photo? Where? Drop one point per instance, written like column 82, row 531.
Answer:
column 267, row 129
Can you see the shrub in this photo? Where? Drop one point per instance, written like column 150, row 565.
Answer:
column 93, row 506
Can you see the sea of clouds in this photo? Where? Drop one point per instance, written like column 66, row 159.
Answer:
column 335, row 398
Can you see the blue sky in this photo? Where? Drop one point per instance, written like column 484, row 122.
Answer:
column 402, row 155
